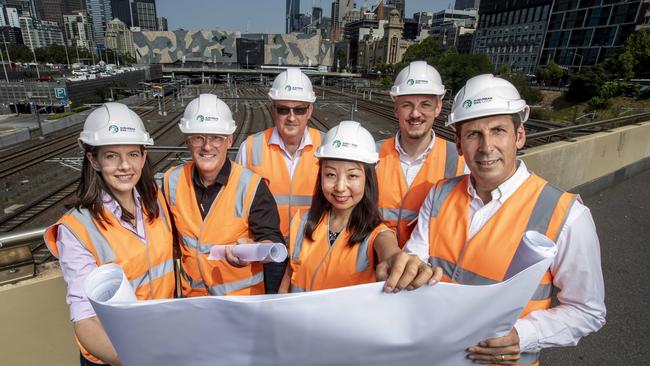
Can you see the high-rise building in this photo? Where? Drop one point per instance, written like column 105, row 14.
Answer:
column 100, row 13
column 11, row 35
column 38, row 34
column 78, row 30
column 466, row 4
column 144, row 14
column 53, row 10
column 511, row 34
column 24, row 7
column 162, row 24
column 588, row 32
column 339, row 10
column 292, row 15
column 9, row 17
column 121, row 10
column 119, row 38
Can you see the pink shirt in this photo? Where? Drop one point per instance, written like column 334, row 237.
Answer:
column 77, row 261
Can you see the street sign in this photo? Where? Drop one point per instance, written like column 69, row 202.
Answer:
column 60, row 93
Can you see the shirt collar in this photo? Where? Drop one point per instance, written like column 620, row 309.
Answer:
column 508, row 187
column 276, row 139
column 222, row 176
column 424, row 154
column 114, row 207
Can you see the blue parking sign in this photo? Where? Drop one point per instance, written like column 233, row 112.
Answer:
column 60, row 93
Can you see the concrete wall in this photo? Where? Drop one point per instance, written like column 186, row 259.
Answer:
column 14, row 137
column 574, row 164
column 36, row 329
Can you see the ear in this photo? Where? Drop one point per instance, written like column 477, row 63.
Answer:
column 229, row 142
column 521, row 136
column 457, row 141
column 93, row 162
column 438, row 105
column 310, row 110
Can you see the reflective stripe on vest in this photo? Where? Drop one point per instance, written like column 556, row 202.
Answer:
column 394, row 214
column 193, row 243
column 528, row 358
column 451, row 160
column 467, row 277
column 287, row 199
column 242, row 186
column 256, row 149
column 220, row 290
column 173, row 183
column 300, row 236
column 154, row 273
column 362, row 256
column 104, row 250
column 197, row 284
column 296, row 289
column 441, row 193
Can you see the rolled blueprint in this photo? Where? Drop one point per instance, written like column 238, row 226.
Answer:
column 533, row 247
column 254, row 252
column 108, row 284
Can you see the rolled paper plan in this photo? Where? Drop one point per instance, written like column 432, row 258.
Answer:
column 107, row 283
column 254, row 252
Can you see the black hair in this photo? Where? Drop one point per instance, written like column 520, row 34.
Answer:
column 365, row 215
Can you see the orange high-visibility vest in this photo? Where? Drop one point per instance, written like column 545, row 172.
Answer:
column 226, row 222
column 485, row 258
column 290, row 194
column 149, row 266
column 399, row 203
column 317, row 265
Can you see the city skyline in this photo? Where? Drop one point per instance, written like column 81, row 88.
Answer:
column 265, row 16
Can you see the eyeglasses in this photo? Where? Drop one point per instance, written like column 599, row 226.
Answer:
column 200, row 140
column 283, row 110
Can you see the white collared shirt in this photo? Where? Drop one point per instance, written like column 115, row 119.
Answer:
column 411, row 167
column 576, row 269
column 276, row 139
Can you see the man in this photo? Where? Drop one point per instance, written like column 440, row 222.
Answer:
column 216, row 202
column 415, row 151
column 472, row 226
column 284, row 154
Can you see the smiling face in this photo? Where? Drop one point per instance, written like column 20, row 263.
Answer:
column 490, row 145
column 343, row 184
column 290, row 118
column 120, row 166
column 416, row 114
column 208, row 153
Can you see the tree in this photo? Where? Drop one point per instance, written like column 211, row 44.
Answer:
column 530, row 94
column 632, row 60
column 586, row 83
column 551, row 74
column 429, row 50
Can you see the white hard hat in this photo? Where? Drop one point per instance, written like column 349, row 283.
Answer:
column 114, row 124
column 207, row 114
column 417, row 78
column 348, row 141
column 487, row 95
column 292, row 84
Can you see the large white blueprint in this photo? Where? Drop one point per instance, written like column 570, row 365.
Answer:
column 357, row 325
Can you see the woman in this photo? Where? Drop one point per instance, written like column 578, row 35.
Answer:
column 119, row 217
column 341, row 239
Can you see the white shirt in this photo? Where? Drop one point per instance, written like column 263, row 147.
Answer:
column 576, row 269
column 411, row 167
column 276, row 139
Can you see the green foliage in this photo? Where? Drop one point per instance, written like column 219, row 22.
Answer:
column 597, row 103
column 586, row 83
column 551, row 74
column 613, row 89
column 633, row 59
column 644, row 94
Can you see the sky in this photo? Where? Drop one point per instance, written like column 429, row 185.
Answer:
column 256, row 16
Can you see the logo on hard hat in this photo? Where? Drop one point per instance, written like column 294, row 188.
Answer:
column 467, row 104
column 336, row 143
column 410, row 81
column 291, row 88
column 200, row 118
column 113, row 129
